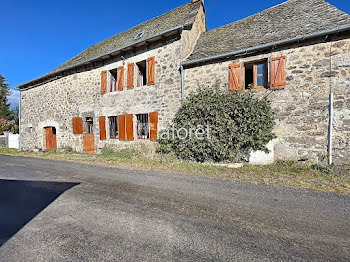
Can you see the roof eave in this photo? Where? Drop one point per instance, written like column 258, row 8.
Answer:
column 169, row 32
column 269, row 45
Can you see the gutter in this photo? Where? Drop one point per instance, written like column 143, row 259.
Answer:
column 94, row 59
column 269, row 45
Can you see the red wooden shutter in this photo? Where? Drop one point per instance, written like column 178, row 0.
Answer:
column 235, row 77
column 150, row 70
column 121, row 123
column 131, row 75
column 129, row 127
column 278, row 72
column 103, row 82
column 120, row 78
column 77, row 125
column 153, row 123
column 102, row 122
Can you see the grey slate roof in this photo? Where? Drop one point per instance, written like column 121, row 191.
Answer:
column 289, row 19
column 181, row 16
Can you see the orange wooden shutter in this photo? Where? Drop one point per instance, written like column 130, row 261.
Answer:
column 153, row 122
column 278, row 72
column 102, row 122
column 121, row 124
column 235, row 77
column 150, row 70
column 129, row 128
column 131, row 75
column 103, row 82
column 120, row 78
column 77, row 125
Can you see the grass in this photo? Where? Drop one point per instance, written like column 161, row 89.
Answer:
column 288, row 173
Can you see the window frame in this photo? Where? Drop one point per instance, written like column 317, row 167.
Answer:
column 113, row 80
column 147, row 137
column 89, row 125
column 254, row 64
column 145, row 75
column 116, row 127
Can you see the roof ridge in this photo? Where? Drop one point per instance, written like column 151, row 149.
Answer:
column 267, row 9
column 147, row 21
column 140, row 24
column 289, row 19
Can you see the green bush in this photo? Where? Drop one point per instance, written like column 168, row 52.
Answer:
column 234, row 124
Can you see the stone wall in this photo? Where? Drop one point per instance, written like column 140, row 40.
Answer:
column 3, row 141
column 302, row 107
column 55, row 103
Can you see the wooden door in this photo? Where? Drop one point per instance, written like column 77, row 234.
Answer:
column 88, row 143
column 50, row 138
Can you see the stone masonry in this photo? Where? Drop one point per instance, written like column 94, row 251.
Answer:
column 302, row 107
column 55, row 103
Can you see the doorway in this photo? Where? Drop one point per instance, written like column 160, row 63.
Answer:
column 51, row 143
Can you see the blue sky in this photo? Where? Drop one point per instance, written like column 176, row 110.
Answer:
column 39, row 35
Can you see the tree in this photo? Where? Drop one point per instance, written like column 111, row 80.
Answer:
column 225, row 126
column 5, row 91
column 15, row 115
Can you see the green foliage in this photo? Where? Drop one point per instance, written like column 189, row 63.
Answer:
column 7, row 126
column 322, row 169
column 238, row 123
column 5, row 91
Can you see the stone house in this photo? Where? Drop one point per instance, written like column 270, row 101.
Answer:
column 121, row 91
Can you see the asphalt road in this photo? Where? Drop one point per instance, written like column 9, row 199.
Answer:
column 61, row 211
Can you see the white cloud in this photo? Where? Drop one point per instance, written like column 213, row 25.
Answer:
column 14, row 98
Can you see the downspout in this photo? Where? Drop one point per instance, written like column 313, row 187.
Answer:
column 330, row 130
column 331, row 111
column 182, row 83
column 19, row 122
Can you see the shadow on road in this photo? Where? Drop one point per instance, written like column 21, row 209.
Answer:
column 20, row 201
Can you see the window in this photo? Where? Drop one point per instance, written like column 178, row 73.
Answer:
column 113, row 127
column 252, row 76
column 139, row 35
column 113, row 80
column 255, row 75
column 141, row 73
column 142, row 126
column 89, row 123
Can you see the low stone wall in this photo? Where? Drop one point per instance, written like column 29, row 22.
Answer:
column 3, row 141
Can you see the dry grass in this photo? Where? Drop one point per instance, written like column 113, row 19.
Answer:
column 290, row 174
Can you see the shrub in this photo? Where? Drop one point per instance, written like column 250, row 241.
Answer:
column 7, row 126
column 235, row 124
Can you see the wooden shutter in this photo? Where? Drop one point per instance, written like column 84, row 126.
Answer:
column 235, row 77
column 121, row 123
column 77, row 125
column 150, row 70
column 153, row 123
column 278, row 72
column 103, row 82
column 131, row 75
column 102, row 122
column 129, row 127
column 120, row 76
